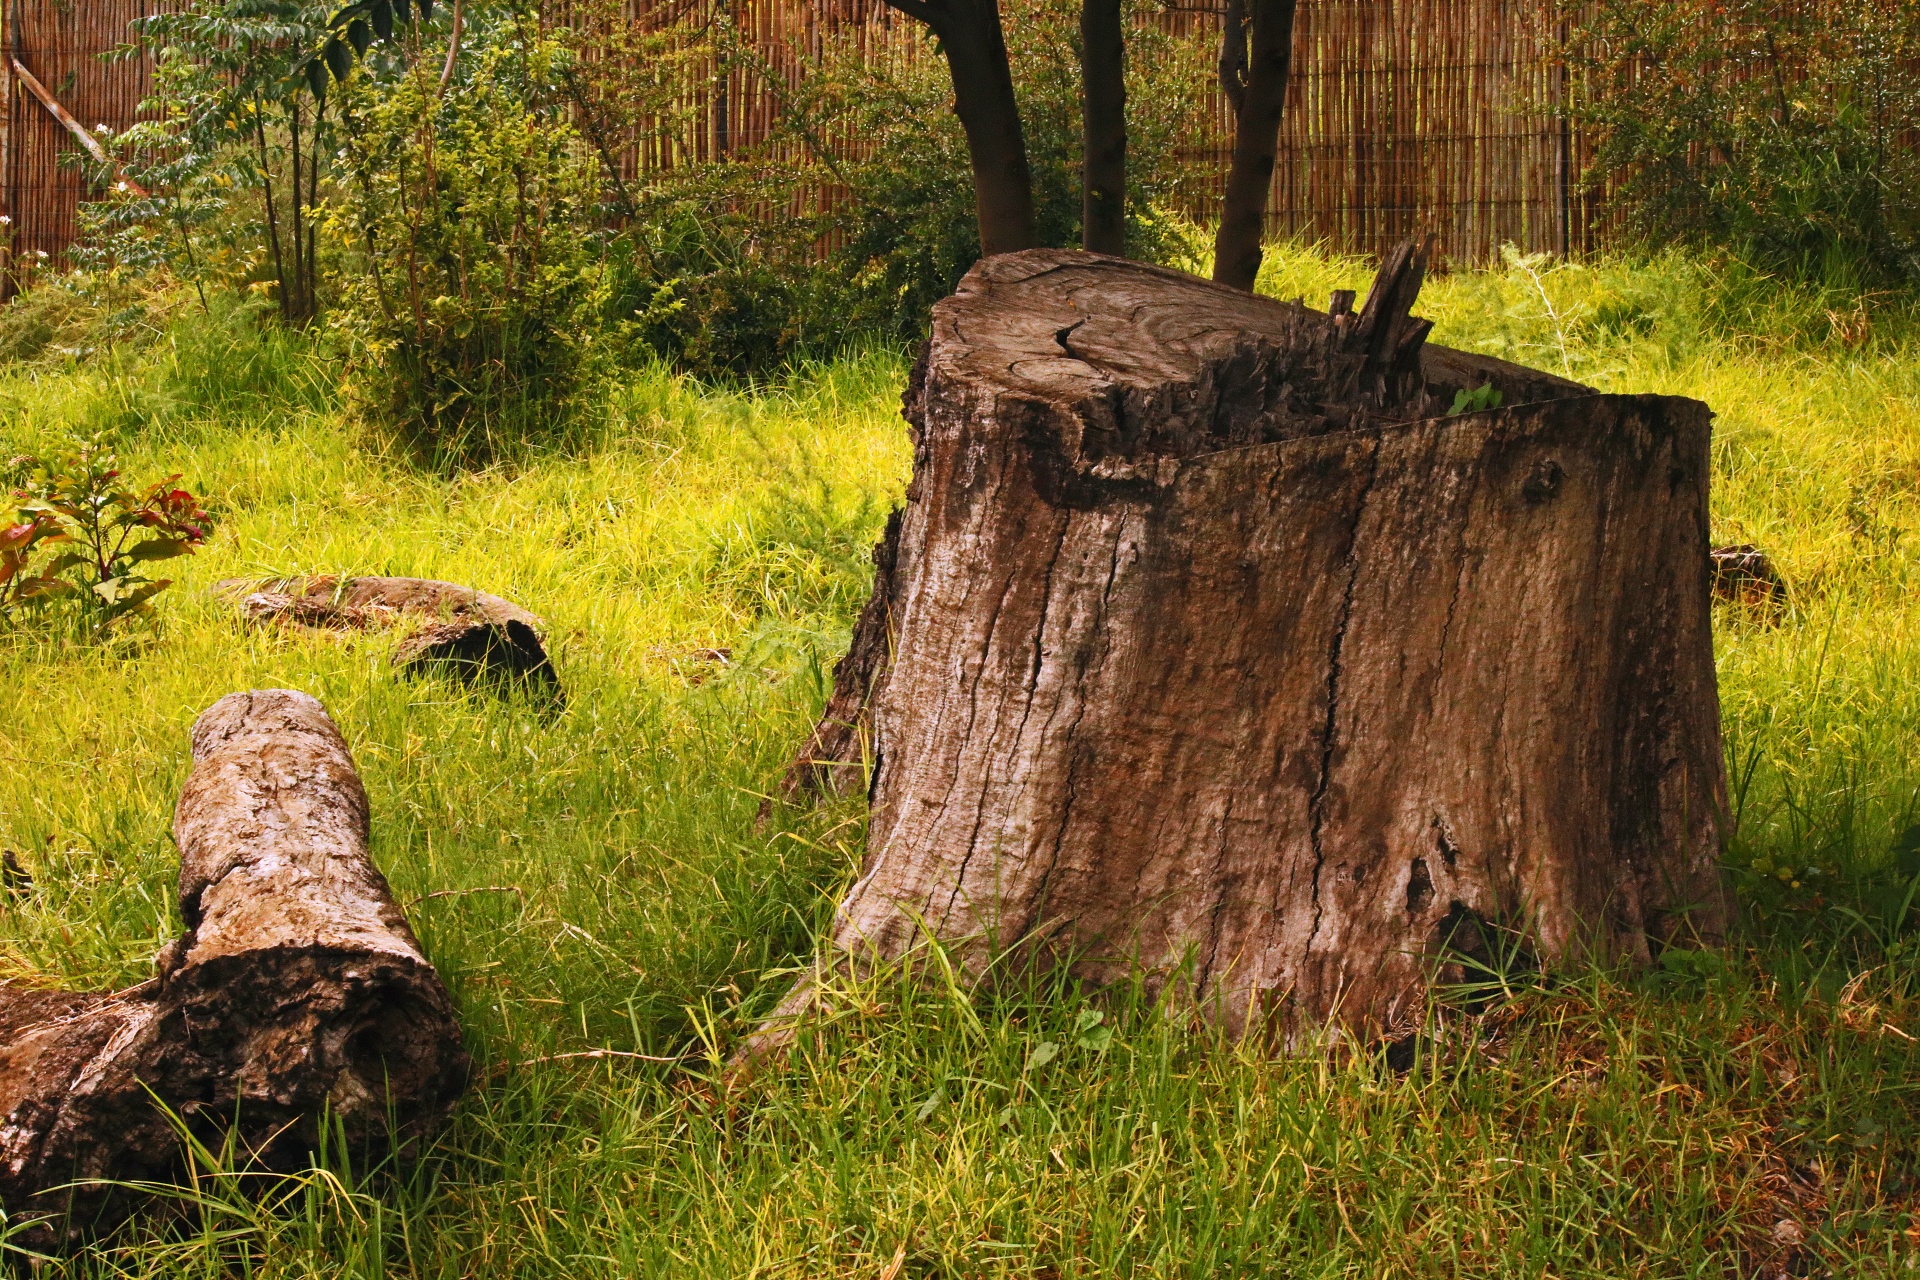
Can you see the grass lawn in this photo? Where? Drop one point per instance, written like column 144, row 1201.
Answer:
column 600, row 880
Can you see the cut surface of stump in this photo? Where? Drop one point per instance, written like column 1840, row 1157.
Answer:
column 466, row 632
column 1202, row 644
column 298, row 991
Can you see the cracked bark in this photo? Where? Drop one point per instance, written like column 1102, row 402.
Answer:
column 297, row 992
column 1292, row 679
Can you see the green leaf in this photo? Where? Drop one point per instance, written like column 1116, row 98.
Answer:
column 1043, row 1053
column 316, row 73
column 46, row 588
column 402, row 11
column 381, row 15
column 426, row 9
column 339, row 58
column 1096, row 1040
column 130, row 600
column 931, row 1105
column 359, row 35
column 1087, row 1019
column 160, row 549
column 1475, row 400
column 112, row 589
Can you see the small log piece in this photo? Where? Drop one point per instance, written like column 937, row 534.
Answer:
column 1209, row 645
column 469, row 632
column 1744, row 573
column 298, row 990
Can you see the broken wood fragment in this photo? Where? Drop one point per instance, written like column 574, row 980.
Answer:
column 468, row 633
column 1744, row 573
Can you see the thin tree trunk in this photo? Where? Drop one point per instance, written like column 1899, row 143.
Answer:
column 313, row 203
column 1103, row 174
column 1218, row 651
column 1256, row 137
column 273, row 221
column 976, row 53
column 297, row 282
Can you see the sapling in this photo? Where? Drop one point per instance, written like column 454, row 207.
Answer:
column 97, row 534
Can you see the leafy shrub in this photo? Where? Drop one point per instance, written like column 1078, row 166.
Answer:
column 1785, row 131
column 470, row 297
column 736, row 265
column 226, row 159
column 81, row 535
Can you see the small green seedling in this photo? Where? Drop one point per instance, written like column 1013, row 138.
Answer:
column 1481, row 397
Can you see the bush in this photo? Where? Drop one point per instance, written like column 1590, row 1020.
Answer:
column 470, row 297
column 1784, row 131
column 737, row 265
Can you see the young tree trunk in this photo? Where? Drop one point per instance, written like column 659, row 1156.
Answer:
column 976, row 53
column 1260, row 102
column 297, row 993
column 1103, row 171
column 1215, row 649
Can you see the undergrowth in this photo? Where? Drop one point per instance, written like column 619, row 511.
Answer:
column 595, row 879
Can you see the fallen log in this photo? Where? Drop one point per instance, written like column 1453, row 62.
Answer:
column 297, row 991
column 471, row 633
column 1744, row 573
column 1213, row 649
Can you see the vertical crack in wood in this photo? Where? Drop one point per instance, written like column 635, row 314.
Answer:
column 1026, row 712
column 973, row 715
column 1222, row 889
column 1317, row 803
column 1036, row 915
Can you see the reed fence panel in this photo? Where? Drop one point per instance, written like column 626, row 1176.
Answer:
column 64, row 44
column 1404, row 116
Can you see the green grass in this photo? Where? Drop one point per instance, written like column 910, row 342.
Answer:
column 622, row 895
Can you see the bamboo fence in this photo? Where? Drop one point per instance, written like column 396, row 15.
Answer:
column 1404, row 116
column 64, row 46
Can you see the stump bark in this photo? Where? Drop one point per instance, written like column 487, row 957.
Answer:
column 1217, row 649
column 298, row 990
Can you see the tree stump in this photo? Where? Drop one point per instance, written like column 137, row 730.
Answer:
column 1216, row 649
column 298, row 991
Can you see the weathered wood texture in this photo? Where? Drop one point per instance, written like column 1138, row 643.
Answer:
column 470, row 632
column 297, row 989
column 1190, row 668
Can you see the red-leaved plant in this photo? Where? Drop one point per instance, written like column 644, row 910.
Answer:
column 82, row 536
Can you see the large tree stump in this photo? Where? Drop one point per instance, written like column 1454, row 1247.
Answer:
column 1217, row 650
column 297, row 990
